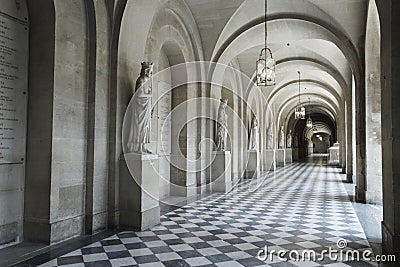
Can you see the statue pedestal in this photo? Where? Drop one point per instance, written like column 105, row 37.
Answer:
column 221, row 172
column 333, row 155
column 139, row 191
column 280, row 157
column 253, row 164
column 288, row 155
column 269, row 160
column 296, row 154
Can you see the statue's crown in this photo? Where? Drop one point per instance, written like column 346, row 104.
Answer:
column 146, row 64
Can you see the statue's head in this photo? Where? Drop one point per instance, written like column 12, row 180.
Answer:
column 147, row 69
column 224, row 102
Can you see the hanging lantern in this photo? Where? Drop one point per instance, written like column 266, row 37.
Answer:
column 300, row 111
column 266, row 68
column 309, row 123
column 265, row 65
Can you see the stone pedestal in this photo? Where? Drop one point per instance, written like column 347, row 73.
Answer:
column 295, row 154
column 288, row 155
column 139, row 191
column 221, row 172
column 253, row 164
column 269, row 160
column 333, row 155
column 280, row 157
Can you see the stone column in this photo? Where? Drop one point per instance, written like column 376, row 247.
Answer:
column 349, row 142
column 342, row 152
column 373, row 186
column 389, row 10
column 360, row 141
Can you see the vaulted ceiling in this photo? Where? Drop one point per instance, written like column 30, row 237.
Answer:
column 323, row 39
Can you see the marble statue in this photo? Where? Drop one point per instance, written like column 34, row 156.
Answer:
column 254, row 135
column 141, row 111
column 222, row 130
column 270, row 138
column 281, row 138
column 289, row 139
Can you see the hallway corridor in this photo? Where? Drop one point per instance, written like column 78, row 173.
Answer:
column 301, row 206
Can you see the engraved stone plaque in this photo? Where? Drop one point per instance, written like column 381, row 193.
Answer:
column 13, row 87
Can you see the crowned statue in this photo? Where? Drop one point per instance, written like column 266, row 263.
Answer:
column 270, row 137
column 222, row 130
column 141, row 111
column 289, row 139
column 281, row 138
column 254, row 135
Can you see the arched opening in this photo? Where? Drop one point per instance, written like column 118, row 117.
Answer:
column 178, row 131
column 316, row 139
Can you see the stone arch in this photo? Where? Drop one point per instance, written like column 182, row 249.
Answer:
column 290, row 105
column 343, row 42
column 334, row 34
column 325, row 87
column 318, row 64
column 174, row 34
column 276, row 9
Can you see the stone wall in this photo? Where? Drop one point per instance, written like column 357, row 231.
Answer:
column 67, row 163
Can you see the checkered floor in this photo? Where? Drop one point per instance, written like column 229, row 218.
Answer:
column 300, row 207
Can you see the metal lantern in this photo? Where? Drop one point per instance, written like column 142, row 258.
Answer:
column 300, row 111
column 309, row 123
column 265, row 65
column 265, row 68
